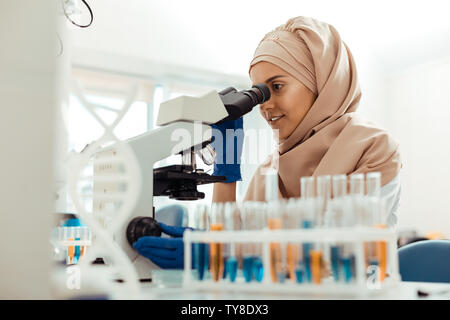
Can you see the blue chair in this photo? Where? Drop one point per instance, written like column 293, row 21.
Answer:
column 425, row 261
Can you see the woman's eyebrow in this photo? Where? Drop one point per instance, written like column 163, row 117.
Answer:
column 274, row 77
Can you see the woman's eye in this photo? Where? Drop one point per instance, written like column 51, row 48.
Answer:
column 277, row 86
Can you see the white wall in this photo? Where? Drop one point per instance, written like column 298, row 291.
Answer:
column 419, row 117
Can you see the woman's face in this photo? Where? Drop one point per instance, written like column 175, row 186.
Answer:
column 289, row 99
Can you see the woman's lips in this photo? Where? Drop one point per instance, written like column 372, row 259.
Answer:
column 275, row 120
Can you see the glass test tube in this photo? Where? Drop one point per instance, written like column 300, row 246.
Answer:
column 85, row 236
column 324, row 196
column 312, row 251
column 342, row 216
column 293, row 221
column 253, row 218
column 323, row 191
column 373, row 184
column 77, row 237
column 378, row 212
column 70, row 248
column 274, row 221
column 232, row 223
column 216, row 253
column 307, row 192
column 200, row 250
column 357, row 186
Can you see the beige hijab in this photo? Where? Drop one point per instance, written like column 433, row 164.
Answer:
column 332, row 138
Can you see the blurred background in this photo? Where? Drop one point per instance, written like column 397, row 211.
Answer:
column 174, row 47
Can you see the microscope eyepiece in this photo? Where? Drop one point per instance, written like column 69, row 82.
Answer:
column 239, row 103
column 261, row 91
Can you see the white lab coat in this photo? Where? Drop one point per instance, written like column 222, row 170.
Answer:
column 391, row 193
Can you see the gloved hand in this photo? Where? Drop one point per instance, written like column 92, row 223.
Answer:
column 167, row 253
column 228, row 155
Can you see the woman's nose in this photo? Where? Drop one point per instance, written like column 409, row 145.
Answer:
column 266, row 106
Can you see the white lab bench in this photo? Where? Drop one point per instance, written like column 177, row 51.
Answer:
column 402, row 291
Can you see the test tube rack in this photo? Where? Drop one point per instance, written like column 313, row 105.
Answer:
column 70, row 242
column 357, row 236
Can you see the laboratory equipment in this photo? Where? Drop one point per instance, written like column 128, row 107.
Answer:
column 377, row 216
column 308, row 194
column 253, row 219
column 276, row 251
column 184, row 130
column 232, row 223
column 70, row 243
column 270, row 228
column 292, row 219
column 201, row 250
column 343, row 216
column 216, row 248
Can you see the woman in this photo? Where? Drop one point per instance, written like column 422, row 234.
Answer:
column 314, row 95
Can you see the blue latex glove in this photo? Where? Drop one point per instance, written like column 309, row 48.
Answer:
column 228, row 155
column 167, row 253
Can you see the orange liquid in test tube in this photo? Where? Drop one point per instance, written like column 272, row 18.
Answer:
column 275, row 250
column 381, row 253
column 316, row 266
column 292, row 258
column 216, row 263
column 71, row 251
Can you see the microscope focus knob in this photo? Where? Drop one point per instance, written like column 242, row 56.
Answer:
column 142, row 226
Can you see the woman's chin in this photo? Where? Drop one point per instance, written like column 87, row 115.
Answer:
column 279, row 135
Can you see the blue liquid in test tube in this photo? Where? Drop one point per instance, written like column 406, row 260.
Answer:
column 231, row 266
column 347, row 269
column 225, row 268
column 300, row 272
column 335, row 258
column 258, row 269
column 201, row 259
column 306, row 224
column 248, row 268
column 76, row 257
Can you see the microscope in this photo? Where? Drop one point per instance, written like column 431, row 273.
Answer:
column 184, row 129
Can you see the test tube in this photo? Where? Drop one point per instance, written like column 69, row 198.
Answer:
column 343, row 216
column 200, row 250
column 216, row 253
column 85, row 236
column 77, row 238
column 339, row 186
column 307, row 193
column 378, row 216
column 253, row 218
column 307, row 187
column 293, row 221
column 307, row 223
column 323, row 191
column 71, row 248
column 271, row 188
column 232, row 223
column 313, row 254
column 257, row 265
column 274, row 220
column 357, row 184
column 323, row 195
column 373, row 184
column 247, row 248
